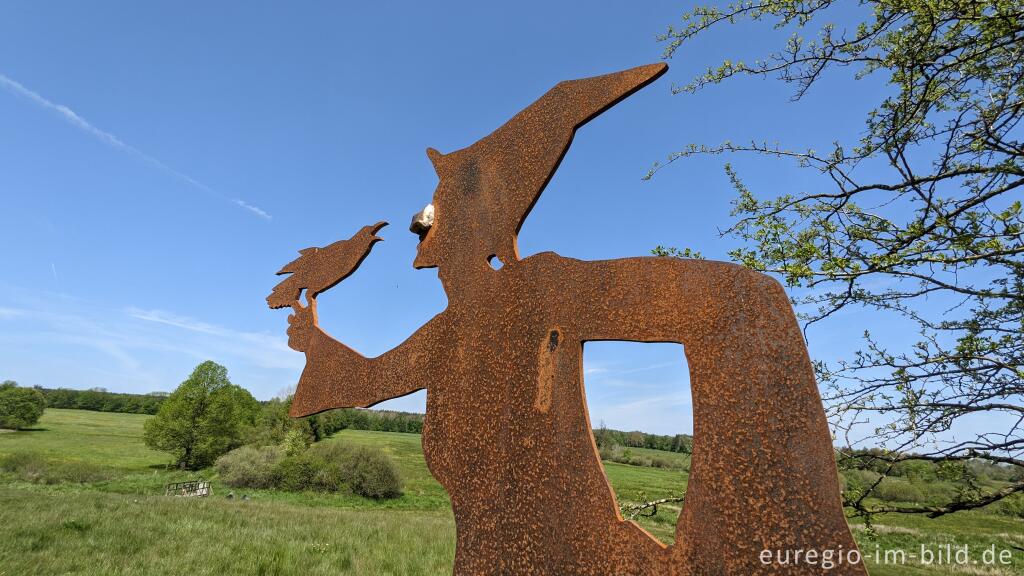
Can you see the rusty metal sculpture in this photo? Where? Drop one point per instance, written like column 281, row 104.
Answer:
column 507, row 431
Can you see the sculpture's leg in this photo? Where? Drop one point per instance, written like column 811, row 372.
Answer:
column 763, row 474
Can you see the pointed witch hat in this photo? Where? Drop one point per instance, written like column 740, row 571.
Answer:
column 488, row 189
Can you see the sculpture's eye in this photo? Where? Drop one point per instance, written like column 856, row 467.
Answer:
column 422, row 221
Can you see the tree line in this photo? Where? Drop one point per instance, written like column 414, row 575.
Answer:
column 606, row 437
column 101, row 400
column 327, row 423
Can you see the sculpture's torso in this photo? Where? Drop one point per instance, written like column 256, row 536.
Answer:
column 507, row 432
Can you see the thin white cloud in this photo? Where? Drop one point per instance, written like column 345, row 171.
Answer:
column 74, row 119
column 170, row 319
column 650, row 367
column 43, row 341
column 606, row 371
column 258, row 348
column 254, row 209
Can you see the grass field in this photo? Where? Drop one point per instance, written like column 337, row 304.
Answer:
column 118, row 522
column 677, row 459
column 88, row 532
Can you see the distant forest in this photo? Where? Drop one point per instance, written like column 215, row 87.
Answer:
column 100, row 400
column 606, row 438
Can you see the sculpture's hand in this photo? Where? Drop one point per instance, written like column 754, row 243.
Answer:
column 302, row 325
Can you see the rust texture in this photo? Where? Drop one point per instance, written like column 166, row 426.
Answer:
column 507, row 431
column 318, row 269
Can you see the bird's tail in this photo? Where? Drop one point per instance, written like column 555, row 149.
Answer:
column 285, row 294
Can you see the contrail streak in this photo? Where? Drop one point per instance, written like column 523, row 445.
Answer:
column 74, row 119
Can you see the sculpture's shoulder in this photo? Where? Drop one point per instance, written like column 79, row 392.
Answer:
column 547, row 265
column 555, row 267
column 545, row 260
column 550, row 261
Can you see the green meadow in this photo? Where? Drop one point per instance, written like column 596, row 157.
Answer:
column 81, row 494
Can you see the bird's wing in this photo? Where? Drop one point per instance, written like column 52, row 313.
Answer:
column 298, row 263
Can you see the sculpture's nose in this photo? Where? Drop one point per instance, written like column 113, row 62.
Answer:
column 422, row 221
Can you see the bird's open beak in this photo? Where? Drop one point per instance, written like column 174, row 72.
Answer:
column 376, row 228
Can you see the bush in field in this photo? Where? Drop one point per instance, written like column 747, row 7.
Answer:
column 250, row 467
column 936, row 491
column 857, row 480
column 610, row 452
column 1012, row 506
column 295, row 442
column 204, row 418
column 898, row 490
column 295, row 473
column 330, row 467
column 326, row 467
column 657, row 462
column 20, row 407
column 314, row 469
column 372, row 474
column 891, row 489
column 332, row 459
column 35, row 468
column 273, row 424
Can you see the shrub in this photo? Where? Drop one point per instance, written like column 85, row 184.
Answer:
column 35, row 468
column 250, row 467
column 857, row 480
column 326, row 467
column 20, row 407
column 320, row 468
column 295, row 442
column 332, row 458
column 372, row 474
column 937, row 491
column 610, row 452
column 898, row 490
column 1012, row 505
column 296, row 473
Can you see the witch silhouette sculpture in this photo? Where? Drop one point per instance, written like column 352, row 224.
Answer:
column 507, row 431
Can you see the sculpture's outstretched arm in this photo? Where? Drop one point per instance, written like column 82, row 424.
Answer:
column 337, row 376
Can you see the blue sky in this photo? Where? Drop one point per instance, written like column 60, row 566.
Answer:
column 160, row 161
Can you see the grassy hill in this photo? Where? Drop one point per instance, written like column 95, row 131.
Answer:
column 87, row 499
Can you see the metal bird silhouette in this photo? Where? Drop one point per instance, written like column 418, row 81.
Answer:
column 319, row 269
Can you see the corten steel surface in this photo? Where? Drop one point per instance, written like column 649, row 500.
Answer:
column 318, row 269
column 507, row 432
